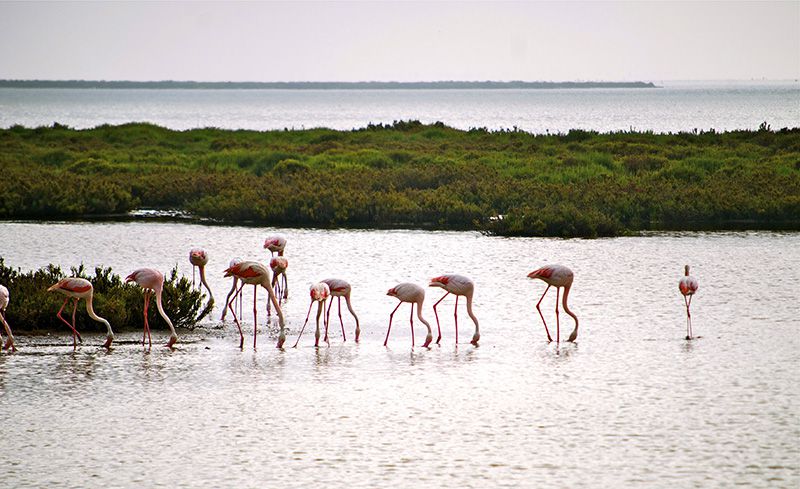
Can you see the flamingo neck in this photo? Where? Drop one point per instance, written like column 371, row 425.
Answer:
column 471, row 314
column 164, row 314
column 203, row 281
column 90, row 311
column 566, row 307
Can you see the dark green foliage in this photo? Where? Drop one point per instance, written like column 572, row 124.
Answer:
column 410, row 174
column 32, row 308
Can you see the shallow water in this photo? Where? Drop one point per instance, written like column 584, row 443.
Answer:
column 675, row 106
column 632, row 403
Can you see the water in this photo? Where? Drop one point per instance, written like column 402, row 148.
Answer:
column 678, row 106
column 631, row 404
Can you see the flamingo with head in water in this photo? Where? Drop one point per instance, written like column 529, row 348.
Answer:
column 152, row 281
column 319, row 293
column 688, row 285
column 76, row 289
column 340, row 288
column 457, row 285
column 4, row 297
column 275, row 244
column 413, row 294
column 559, row 277
column 255, row 274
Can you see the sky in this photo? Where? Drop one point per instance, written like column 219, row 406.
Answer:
column 400, row 41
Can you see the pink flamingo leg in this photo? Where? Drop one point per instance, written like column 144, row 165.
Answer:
column 233, row 312
column 341, row 321
column 304, row 325
column 390, row 324
column 146, row 322
column 255, row 316
column 437, row 319
column 558, row 327
column 328, row 319
column 74, row 332
column 549, row 338
column 412, row 325
column 74, row 310
column 455, row 314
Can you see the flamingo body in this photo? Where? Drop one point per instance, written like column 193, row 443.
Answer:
column 255, row 274
column 275, row 244
column 152, row 281
column 319, row 293
column 457, row 285
column 4, row 299
column 413, row 294
column 341, row 288
column 76, row 288
column 688, row 286
column 557, row 276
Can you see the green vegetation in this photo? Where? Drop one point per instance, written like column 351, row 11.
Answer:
column 410, row 174
column 34, row 309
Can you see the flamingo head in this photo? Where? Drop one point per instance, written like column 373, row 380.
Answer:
column 439, row 281
column 320, row 292
column 172, row 339
column 198, row 256
column 392, row 292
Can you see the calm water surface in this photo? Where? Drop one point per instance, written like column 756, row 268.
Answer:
column 677, row 106
column 631, row 404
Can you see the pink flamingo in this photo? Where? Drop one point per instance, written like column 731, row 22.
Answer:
column 688, row 285
column 4, row 296
column 319, row 293
column 457, row 285
column 558, row 276
column 199, row 258
column 275, row 244
column 152, row 281
column 76, row 289
column 279, row 264
column 233, row 262
column 255, row 274
column 340, row 288
column 413, row 294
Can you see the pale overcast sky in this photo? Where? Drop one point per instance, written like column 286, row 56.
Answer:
column 403, row 41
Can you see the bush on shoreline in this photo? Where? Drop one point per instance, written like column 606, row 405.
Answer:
column 410, row 174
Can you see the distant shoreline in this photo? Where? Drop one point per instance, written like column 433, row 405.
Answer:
column 371, row 85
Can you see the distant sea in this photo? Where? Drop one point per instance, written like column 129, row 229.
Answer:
column 671, row 107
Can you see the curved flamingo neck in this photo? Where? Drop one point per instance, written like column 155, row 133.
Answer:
column 93, row 315
column 203, row 281
column 566, row 307
column 164, row 314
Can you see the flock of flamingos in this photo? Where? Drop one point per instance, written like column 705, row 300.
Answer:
column 256, row 274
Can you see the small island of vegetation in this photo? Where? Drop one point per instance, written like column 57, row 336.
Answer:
column 409, row 174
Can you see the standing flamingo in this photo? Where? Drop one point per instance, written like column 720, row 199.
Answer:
column 275, row 244
column 340, row 288
column 319, row 293
column 688, row 285
column 255, row 274
column 152, row 281
column 457, row 285
column 3, row 305
column 279, row 264
column 558, row 276
column 414, row 294
column 199, row 258
column 233, row 262
column 76, row 289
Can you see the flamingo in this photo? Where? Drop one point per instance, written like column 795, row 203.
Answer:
column 279, row 264
column 457, row 285
column 414, row 294
column 275, row 244
column 199, row 258
column 152, row 281
column 76, row 289
column 688, row 285
column 3, row 305
column 319, row 293
column 255, row 274
column 233, row 262
column 340, row 288
column 558, row 276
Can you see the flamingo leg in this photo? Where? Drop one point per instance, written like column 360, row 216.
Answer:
column 328, row 317
column 10, row 339
column 146, row 322
column 228, row 300
column 549, row 338
column 687, row 299
column 285, row 287
column 455, row 315
column 255, row 315
column 193, row 270
column 74, row 332
column 437, row 319
column 558, row 327
column 232, row 307
column 341, row 321
column 411, row 319
column 308, row 314
column 390, row 324
column 320, row 307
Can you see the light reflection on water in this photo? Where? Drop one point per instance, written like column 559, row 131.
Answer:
column 632, row 403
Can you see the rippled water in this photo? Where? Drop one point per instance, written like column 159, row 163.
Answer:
column 676, row 106
column 632, row 403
